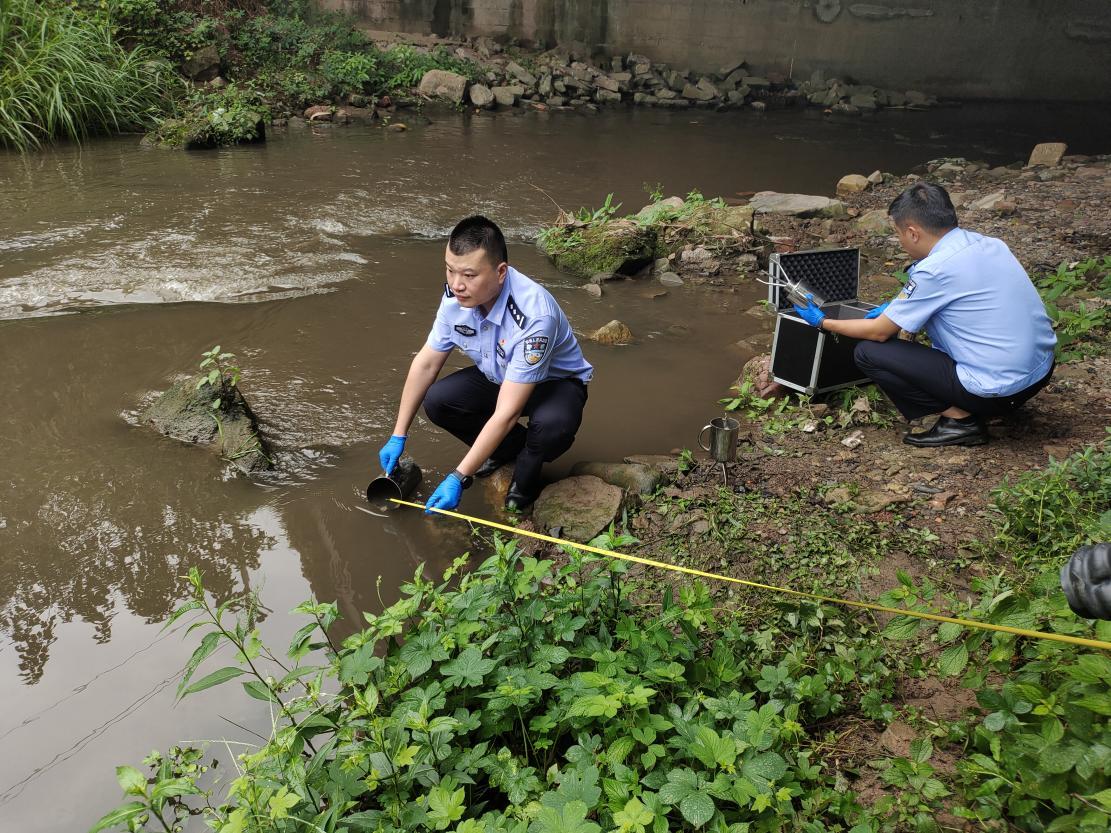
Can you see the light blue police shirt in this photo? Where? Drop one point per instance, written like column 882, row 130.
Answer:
column 525, row 337
column 979, row 307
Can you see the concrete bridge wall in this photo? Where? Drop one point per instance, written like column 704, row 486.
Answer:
column 1008, row 49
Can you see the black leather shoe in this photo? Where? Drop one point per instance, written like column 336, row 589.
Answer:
column 949, row 431
column 491, row 465
column 517, row 499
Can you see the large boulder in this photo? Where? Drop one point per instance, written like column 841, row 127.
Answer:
column 507, row 96
column 797, row 205
column 635, row 479
column 202, row 65
column 1047, row 153
column 185, row 413
column 439, row 83
column 481, row 96
column 619, row 247
column 577, row 508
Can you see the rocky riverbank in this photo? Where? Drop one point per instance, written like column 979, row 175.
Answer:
column 569, row 76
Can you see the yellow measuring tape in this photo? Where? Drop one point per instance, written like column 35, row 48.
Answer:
column 933, row 617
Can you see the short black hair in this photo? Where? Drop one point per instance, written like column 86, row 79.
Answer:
column 479, row 233
column 925, row 204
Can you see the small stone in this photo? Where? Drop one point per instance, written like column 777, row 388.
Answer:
column 594, row 289
column 875, row 222
column 984, row 203
column 941, row 500
column 318, row 112
column 876, row 177
column 854, row 440
column 1005, row 208
column 852, row 184
column 758, row 106
column 397, row 127
column 613, row 333
column 519, row 72
column 1047, row 153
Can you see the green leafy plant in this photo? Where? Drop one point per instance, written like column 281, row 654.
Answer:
column 1081, row 327
column 598, row 216
column 63, row 74
column 913, row 804
column 1047, row 514
column 220, row 375
column 527, row 697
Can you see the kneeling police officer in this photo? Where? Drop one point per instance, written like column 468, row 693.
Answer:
column 992, row 344
column 526, row 363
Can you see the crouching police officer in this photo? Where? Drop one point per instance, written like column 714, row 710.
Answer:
column 992, row 342
column 526, row 363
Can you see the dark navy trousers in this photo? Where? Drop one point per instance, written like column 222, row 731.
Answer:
column 463, row 402
column 922, row 380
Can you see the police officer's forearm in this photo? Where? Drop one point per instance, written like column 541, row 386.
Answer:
column 495, row 430
column 426, row 366
column 869, row 329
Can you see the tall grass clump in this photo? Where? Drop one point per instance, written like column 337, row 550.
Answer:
column 62, row 74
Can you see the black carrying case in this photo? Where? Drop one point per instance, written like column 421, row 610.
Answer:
column 804, row 358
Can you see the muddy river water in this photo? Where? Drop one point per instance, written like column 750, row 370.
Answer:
column 317, row 259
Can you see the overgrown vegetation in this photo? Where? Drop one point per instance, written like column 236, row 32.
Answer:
column 568, row 696
column 840, row 409
column 63, row 74
column 1076, row 298
column 72, row 68
column 1047, row 514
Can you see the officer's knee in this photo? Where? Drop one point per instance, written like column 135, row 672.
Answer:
column 862, row 353
column 435, row 403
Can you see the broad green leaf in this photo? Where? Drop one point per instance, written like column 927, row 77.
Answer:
column 120, row 816
column 445, row 807
column 1059, row 758
column 467, row 669
column 571, row 818
column 132, row 782
column 902, row 627
column 764, row 768
column 282, row 802
column 260, row 691
column 953, row 660
column 948, row 631
column 1103, row 797
column 634, row 816
column 229, row 672
column 580, row 785
column 920, row 750
column 697, row 808
column 1099, row 703
column 173, row 787
column 711, row 749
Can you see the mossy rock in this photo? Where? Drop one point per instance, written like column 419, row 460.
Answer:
column 619, row 247
column 185, row 413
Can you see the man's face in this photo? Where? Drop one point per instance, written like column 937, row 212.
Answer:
column 473, row 278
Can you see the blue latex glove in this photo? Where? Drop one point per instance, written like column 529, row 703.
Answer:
column 878, row 311
column 446, row 496
column 811, row 313
column 390, row 453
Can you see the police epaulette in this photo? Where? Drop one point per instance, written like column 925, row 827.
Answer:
column 519, row 318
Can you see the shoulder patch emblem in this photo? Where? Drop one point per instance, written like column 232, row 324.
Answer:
column 447, row 291
column 908, row 290
column 464, row 330
column 535, row 348
column 519, row 318
column 500, row 349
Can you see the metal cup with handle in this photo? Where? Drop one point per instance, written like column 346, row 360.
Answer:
column 723, row 439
